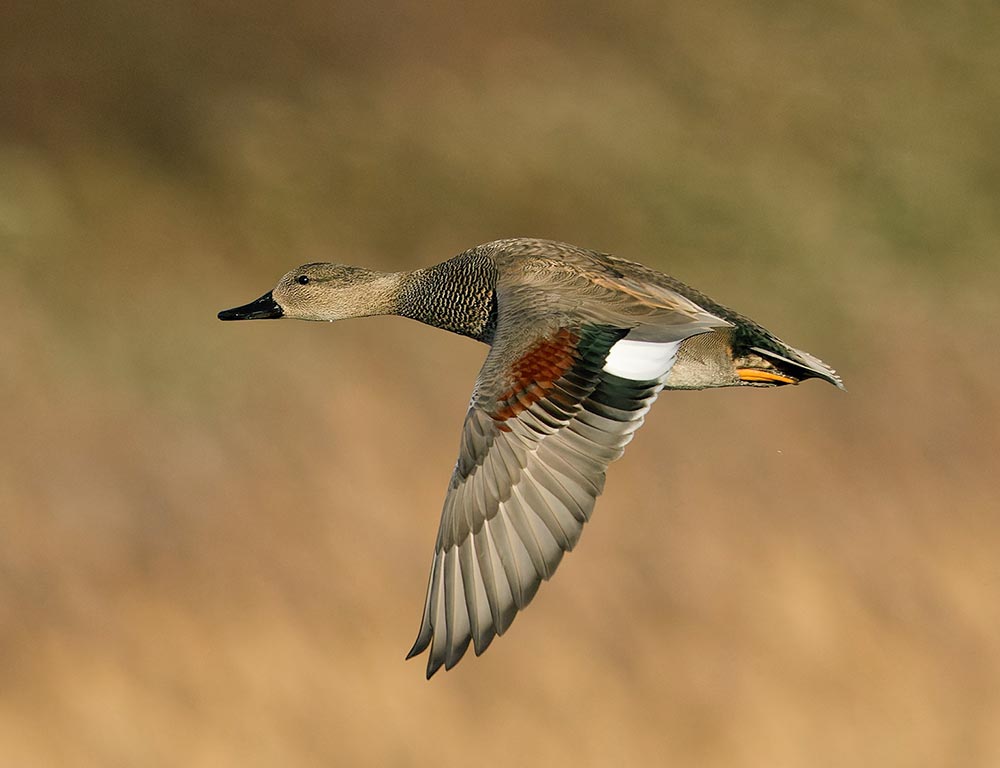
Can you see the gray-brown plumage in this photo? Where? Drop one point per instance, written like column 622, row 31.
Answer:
column 581, row 343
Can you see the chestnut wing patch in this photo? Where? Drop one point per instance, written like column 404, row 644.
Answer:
column 535, row 373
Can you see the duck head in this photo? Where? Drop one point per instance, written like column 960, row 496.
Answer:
column 321, row 292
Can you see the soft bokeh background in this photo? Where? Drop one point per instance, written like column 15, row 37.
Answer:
column 214, row 538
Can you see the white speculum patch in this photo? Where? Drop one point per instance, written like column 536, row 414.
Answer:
column 641, row 360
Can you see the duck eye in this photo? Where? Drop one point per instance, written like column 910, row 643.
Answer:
column 302, row 279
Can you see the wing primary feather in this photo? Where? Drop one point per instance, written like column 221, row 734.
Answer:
column 455, row 512
column 487, row 568
column 552, row 553
column 450, row 619
column 439, row 643
column 458, row 622
column 595, row 455
column 426, row 631
column 534, row 496
column 589, row 458
column 530, row 578
column 513, row 455
column 507, row 467
column 505, row 549
column 476, row 598
column 576, row 504
column 507, row 605
column 553, row 457
column 486, row 509
column 523, row 529
column 606, row 424
column 604, row 438
column 488, row 474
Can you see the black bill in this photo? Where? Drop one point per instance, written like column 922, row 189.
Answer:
column 265, row 308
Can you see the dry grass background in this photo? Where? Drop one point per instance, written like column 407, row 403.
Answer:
column 215, row 537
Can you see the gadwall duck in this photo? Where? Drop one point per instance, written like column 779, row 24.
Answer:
column 581, row 343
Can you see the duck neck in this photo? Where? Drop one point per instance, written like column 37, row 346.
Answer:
column 457, row 295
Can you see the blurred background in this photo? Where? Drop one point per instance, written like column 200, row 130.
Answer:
column 215, row 538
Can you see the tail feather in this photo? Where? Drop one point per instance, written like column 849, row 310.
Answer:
column 803, row 365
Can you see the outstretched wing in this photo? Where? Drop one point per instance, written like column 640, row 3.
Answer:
column 536, row 444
